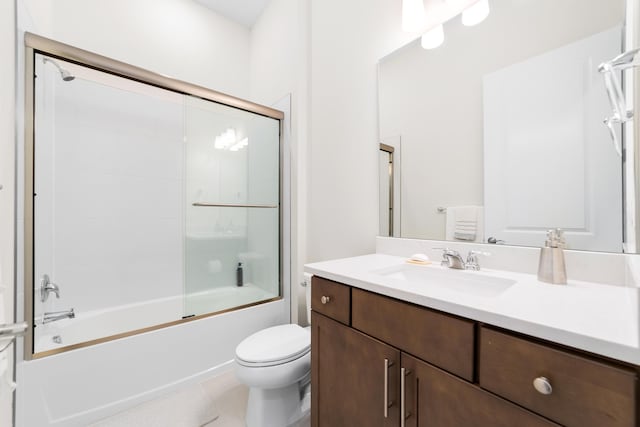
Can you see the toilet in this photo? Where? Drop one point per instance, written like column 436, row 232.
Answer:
column 275, row 363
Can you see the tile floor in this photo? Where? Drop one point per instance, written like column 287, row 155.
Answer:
column 218, row 402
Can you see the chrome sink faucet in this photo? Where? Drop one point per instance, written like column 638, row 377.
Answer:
column 452, row 259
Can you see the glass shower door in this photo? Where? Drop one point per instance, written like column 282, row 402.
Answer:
column 150, row 207
column 232, row 212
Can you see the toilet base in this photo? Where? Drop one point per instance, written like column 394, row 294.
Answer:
column 281, row 407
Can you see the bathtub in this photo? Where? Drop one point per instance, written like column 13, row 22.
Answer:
column 95, row 326
column 79, row 387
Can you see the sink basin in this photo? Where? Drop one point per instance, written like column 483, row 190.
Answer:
column 468, row 282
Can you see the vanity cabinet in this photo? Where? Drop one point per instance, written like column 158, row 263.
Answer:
column 379, row 361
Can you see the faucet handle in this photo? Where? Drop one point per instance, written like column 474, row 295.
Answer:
column 472, row 260
column 47, row 287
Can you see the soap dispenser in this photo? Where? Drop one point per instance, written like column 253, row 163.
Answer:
column 551, row 268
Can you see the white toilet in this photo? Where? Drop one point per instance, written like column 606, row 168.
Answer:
column 275, row 363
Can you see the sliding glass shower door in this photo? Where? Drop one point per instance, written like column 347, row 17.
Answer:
column 232, row 221
column 150, row 206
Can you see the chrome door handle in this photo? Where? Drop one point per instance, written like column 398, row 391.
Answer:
column 403, row 383
column 387, row 404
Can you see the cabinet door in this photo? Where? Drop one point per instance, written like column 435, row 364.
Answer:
column 350, row 377
column 434, row 398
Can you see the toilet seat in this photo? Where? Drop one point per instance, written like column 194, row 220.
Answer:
column 274, row 346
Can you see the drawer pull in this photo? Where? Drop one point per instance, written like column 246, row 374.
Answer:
column 387, row 404
column 542, row 385
column 325, row 299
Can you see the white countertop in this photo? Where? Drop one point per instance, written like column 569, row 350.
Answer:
column 597, row 318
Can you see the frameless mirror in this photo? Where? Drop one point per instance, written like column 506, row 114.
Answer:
column 501, row 128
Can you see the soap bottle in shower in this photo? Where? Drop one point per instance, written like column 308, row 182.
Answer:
column 239, row 274
column 551, row 268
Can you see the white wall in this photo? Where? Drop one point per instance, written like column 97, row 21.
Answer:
column 347, row 40
column 279, row 66
column 631, row 128
column 7, row 170
column 94, row 140
column 179, row 38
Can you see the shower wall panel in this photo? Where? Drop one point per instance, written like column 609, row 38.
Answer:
column 109, row 185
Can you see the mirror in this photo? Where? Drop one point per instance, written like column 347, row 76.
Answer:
column 501, row 128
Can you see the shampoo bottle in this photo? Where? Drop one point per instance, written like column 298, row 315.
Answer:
column 239, row 274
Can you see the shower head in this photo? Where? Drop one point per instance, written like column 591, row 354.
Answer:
column 65, row 74
column 623, row 61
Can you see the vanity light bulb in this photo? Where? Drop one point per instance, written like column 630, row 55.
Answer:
column 413, row 15
column 433, row 38
column 476, row 13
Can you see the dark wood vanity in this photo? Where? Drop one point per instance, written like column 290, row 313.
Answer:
column 380, row 361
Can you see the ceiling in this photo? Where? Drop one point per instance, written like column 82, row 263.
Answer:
column 244, row 12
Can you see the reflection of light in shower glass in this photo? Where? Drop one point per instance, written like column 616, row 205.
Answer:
column 240, row 144
column 226, row 139
column 476, row 13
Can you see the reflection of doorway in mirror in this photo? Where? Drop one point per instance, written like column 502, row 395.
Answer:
column 543, row 133
column 389, row 187
column 434, row 100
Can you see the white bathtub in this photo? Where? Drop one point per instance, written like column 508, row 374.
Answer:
column 115, row 321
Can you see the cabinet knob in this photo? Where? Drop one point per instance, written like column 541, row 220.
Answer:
column 325, row 299
column 542, row 385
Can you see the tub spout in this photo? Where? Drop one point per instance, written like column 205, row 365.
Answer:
column 58, row 315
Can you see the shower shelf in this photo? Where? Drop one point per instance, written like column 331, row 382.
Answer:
column 231, row 205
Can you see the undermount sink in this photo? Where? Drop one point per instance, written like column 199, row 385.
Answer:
column 464, row 281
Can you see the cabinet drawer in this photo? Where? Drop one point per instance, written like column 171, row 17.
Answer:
column 434, row 398
column 331, row 299
column 584, row 392
column 437, row 338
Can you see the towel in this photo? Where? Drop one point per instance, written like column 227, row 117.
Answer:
column 464, row 223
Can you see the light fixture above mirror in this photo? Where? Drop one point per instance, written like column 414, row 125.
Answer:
column 427, row 17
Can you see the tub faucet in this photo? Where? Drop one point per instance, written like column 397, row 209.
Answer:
column 58, row 315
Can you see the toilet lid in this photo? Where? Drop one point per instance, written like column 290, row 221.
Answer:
column 278, row 344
